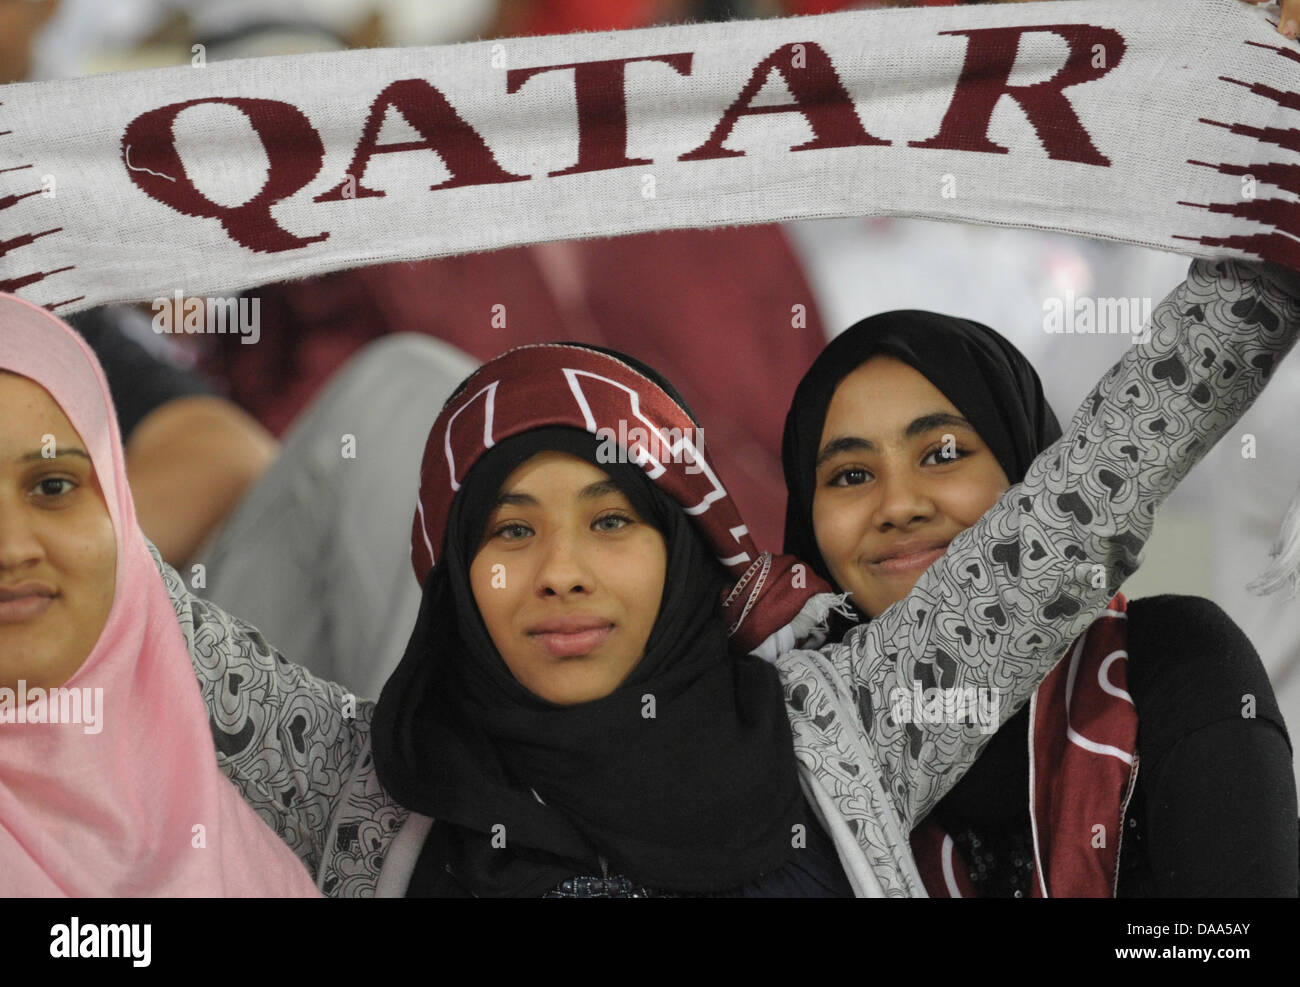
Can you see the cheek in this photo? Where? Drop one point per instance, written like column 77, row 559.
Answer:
column 102, row 569
column 87, row 553
column 837, row 525
column 970, row 502
column 489, row 580
column 639, row 572
column 106, row 553
column 82, row 548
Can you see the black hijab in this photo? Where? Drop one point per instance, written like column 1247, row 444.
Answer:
column 984, row 376
column 526, row 794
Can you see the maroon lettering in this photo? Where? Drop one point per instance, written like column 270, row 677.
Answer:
column 818, row 95
column 990, row 57
column 294, row 154
column 601, row 94
column 442, row 130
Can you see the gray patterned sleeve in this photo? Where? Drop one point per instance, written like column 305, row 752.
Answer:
column 289, row 741
column 1013, row 591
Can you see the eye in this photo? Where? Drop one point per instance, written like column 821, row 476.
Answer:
column 612, row 522
column 850, row 476
column 957, row 453
column 53, row 487
column 512, row 531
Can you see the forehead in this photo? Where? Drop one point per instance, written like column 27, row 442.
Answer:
column 882, row 397
column 28, row 412
column 556, row 472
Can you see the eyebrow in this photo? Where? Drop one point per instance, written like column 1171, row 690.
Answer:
column 590, row 492
column 38, row 455
column 918, row 426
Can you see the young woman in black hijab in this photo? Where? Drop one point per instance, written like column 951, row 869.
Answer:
column 691, row 752
column 902, row 432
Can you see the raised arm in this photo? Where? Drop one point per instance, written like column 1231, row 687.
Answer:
column 999, row 609
column 289, row 741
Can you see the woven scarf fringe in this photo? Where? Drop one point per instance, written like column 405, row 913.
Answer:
column 1284, row 572
column 813, row 622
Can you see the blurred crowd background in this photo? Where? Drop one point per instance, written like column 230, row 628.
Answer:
column 711, row 309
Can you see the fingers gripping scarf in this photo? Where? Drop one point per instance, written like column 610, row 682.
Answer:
column 699, row 797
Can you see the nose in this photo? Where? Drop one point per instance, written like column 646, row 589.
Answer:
column 901, row 501
column 564, row 569
column 19, row 545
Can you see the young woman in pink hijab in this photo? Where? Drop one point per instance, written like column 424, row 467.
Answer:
column 109, row 784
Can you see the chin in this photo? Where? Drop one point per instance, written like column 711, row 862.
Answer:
column 880, row 598
column 578, row 686
column 573, row 697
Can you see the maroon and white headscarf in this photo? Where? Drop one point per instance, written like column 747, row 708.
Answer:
column 566, row 384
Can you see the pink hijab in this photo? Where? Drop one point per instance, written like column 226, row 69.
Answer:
column 139, row 808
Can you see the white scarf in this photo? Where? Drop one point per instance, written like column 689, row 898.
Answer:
column 1165, row 123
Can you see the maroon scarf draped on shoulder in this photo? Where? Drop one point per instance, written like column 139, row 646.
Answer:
column 1083, row 765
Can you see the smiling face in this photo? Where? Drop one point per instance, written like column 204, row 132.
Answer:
column 58, row 553
column 568, row 579
column 900, row 473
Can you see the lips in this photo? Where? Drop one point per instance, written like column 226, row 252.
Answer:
column 24, row 602
column 910, row 557
column 571, row 636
